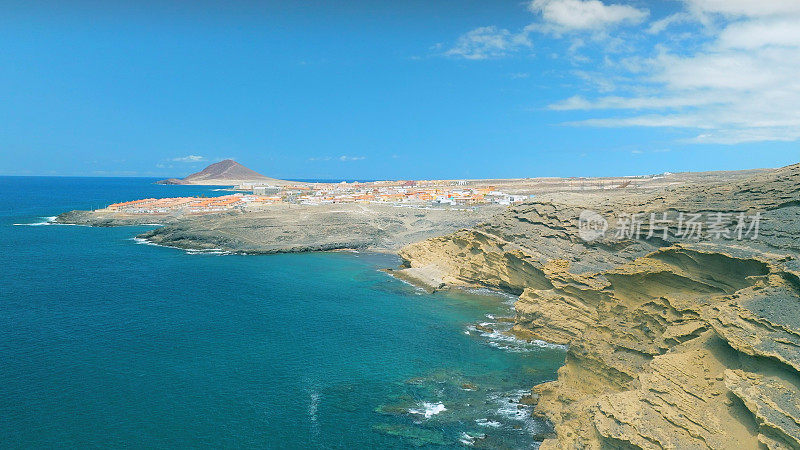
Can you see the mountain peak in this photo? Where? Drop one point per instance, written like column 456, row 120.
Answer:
column 221, row 172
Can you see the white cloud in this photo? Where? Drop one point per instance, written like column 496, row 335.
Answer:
column 780, row 32
column 613, row 102
column 738, row 136
column 343, row 158
column 662, row 24
column 557, row 16
column 190, row 159
column 741, row 85
column 744, row 8
column 728, row 74
column 351, row 158
column 650, row 120
column 488, row 42
column 582, row 15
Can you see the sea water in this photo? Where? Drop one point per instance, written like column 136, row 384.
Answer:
column 106, row 342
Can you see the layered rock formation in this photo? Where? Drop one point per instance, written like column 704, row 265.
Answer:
column 674, row 342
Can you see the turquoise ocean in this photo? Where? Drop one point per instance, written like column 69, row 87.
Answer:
column 106, row 342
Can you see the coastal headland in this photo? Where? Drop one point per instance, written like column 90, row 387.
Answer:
column 291, row 228
column 265, row 215
column 678, row 335
column 676, row 294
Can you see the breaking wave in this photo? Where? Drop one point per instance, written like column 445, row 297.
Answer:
column 429, row 409
column 208, row 251
column 51, row 220
column 497, row 335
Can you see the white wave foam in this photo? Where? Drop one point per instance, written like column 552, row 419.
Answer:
column 509, row 406
column 313, row 405
column 512, row 412
column 417, row 289
column 208, row 251
column 469, row 438
column 499, row 338
column 509, row 299
column 510, row 343
column 429, row 409
column 488, row 423
column 50, row 220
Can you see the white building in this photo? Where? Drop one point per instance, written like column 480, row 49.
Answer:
column 266, row 190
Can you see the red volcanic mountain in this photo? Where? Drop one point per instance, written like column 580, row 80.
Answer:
column 223, row 172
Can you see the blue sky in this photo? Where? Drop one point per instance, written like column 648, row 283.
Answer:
column 412, row 89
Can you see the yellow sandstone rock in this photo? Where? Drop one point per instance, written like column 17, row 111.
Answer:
column 673, row 343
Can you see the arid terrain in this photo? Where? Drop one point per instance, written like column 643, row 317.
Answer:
column 674, row 342
column 286, row 228
column 381, row 226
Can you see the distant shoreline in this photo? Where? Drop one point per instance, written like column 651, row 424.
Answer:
column 289, row 228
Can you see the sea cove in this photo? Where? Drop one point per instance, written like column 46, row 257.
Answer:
column 110, row 343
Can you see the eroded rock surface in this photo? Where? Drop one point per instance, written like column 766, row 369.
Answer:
column 674, row 342
column 286, row 228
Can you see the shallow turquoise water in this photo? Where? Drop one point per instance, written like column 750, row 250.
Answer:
column 106, row 342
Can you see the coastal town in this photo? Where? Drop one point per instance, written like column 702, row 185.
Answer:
column 256, row 196
column 251, row 191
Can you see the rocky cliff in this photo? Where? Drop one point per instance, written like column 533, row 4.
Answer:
column 675, row 340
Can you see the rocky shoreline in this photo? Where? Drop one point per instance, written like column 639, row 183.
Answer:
column 101, row 219
column 673, row 342
column 293, row 228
